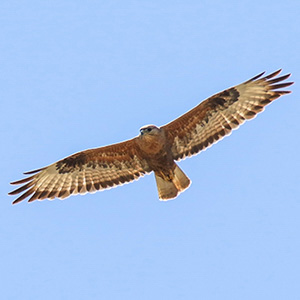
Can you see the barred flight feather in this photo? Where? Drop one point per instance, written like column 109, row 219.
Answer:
column 83, row 172
column 155, row 149
column 218, row 115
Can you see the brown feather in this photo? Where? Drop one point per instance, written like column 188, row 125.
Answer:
column 218, row 115
column 110, row 166
column 86, row 171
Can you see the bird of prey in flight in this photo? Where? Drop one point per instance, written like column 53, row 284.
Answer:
column 155, row 148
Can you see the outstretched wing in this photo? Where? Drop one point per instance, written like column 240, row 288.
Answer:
column 218, row 115
column 82, row 172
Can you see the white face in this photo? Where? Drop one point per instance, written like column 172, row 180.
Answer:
column 149, row 129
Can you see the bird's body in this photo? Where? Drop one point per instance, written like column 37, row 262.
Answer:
column 156, row 148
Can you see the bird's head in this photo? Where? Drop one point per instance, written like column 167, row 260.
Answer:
column 149, row 130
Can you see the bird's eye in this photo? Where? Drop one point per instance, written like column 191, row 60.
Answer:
column 149, row 129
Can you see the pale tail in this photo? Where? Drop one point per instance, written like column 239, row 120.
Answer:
column 170, row 189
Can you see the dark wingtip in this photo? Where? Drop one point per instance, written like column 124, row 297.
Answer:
column 284, row 92
column 16, row 201
column 23, row 196
column 273, row 74
column 257, row 76
column 281, row 85
column 33, row 171
column 22, row 180
column 279, row 82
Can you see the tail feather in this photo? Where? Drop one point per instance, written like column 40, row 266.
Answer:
column 169, row 189
column 180, row 180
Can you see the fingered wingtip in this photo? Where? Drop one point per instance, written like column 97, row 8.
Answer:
column 33, row 171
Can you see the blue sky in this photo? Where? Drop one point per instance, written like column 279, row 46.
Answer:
column 82, row 74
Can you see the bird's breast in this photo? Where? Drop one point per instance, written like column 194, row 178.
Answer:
column 151, row 144
column 155, row 151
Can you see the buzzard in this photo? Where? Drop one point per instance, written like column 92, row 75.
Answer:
column 155, row 148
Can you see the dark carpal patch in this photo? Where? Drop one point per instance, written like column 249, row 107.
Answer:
column 227, row 97
column 194, row 131
column 71, row 163
column 220, row 102
column 234, row 94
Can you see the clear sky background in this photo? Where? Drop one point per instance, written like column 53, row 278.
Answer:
column 83, row 74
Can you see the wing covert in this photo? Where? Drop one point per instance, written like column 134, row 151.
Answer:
column 86, row 171
column 218, row 115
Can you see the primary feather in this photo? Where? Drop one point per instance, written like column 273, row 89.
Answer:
column 155, row 149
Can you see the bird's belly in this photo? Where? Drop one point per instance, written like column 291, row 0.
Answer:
column 161, row 163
